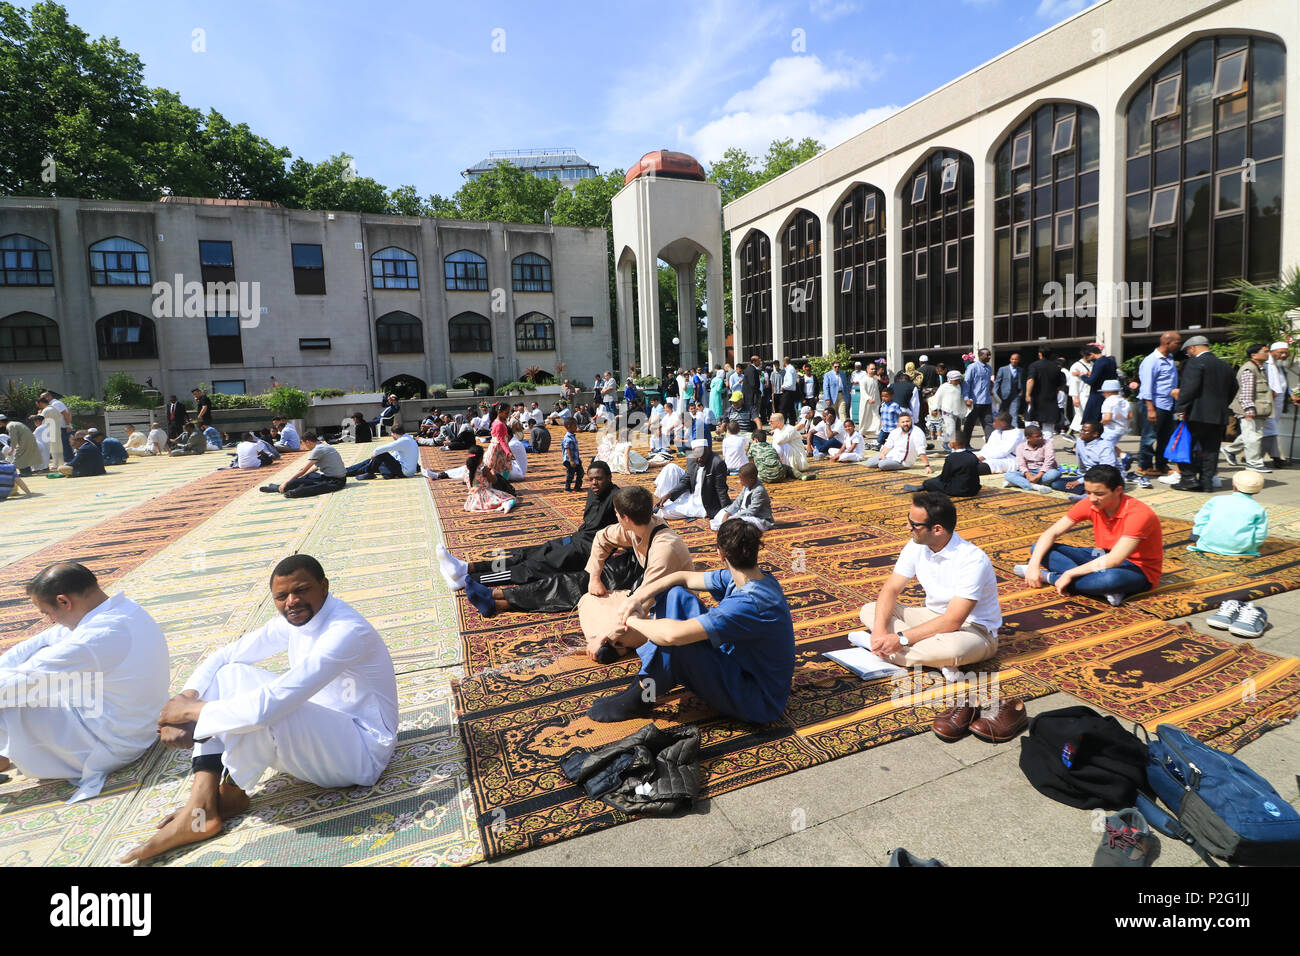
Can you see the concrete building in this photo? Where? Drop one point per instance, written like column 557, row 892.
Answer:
column 562, row 163
column 319, row 299
column 667, row 211
column 1105, row 180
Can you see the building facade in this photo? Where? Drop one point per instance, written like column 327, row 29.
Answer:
column 316, row 299
column 562, row 163
column 1106, row 180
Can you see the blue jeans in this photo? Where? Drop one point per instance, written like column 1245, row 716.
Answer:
column 701, row 667
column 1020, row 481
column 824, row 445
column 1126, row 579
column 1062, row 484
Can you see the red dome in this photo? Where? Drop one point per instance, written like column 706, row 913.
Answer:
column 665, row 162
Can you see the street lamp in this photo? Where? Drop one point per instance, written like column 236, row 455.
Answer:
column 677, row 342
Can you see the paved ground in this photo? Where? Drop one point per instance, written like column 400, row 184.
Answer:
column 966, row 803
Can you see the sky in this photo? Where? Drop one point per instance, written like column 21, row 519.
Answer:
column 419, row 91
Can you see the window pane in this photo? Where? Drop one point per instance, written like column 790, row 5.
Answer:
column 1229, row 193
column 1200, row 85
column 1227, row 250
column 1166, row 97
column 1136, row 215
column 307, row 257
column 212, row 253
column 1196, row 157
column 1230, row 73
column 1268, row 75
column 1139, row 123
column 1088, row 243
column 1264, row 198
column 1196, row 235
column 1266, row 139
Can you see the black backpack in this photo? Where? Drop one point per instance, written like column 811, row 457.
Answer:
column 1083, row 759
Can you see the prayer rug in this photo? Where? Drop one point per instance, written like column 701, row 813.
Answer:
column 528, row 682
column 207, row 588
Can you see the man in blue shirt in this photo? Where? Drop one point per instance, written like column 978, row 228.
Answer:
column 977, row 389
column 737, row 657
column 289, row 440
column 835, row 389
column 86, row 459
column 1158, row 387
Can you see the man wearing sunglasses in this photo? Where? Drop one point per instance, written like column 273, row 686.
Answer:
column 959, row 623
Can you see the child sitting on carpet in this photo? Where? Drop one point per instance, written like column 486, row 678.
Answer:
column 1232, row 524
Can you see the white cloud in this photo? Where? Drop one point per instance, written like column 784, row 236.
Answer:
column 832, row 9
column 753, row 131
column 1060, row 9
column 793, row 82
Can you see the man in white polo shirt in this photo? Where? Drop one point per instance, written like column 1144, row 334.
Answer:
column 959, row 623
column 905, row 445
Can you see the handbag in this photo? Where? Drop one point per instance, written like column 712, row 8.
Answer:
column 1180, row 447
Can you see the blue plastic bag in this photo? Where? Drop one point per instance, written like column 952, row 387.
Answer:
column 1179, row 450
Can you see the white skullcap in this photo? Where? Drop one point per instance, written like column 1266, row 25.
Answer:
column 700, row 443
column 1278, row 345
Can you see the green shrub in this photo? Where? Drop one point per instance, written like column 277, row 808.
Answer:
column 512, row 388
column 326, row 393
column 122, row 391
column 286, row 401
column 822, row 364
column 482, row 388
column 438, row 390
column 237, row 401
column 83, row 406
column 647, row 381
column 461, row 383
column 18, row 401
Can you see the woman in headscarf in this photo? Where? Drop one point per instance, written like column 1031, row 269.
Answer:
column 716, row 388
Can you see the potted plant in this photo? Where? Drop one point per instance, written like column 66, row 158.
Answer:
column 285, row 401
column 438, row 390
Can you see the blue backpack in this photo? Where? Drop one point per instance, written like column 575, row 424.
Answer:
column 1221, row 807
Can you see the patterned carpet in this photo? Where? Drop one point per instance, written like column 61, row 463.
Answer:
column 523, row 704
column 209, row 585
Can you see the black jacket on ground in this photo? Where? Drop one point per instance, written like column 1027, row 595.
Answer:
column 668, row 760
column 1205, row 389
column 960, row 477
column 715, row 495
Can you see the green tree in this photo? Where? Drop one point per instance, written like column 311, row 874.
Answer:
column 506, row 193
column 1263, row 314
column 335, row 184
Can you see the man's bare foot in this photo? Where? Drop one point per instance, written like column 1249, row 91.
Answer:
column 5, row 764
column 200, row 819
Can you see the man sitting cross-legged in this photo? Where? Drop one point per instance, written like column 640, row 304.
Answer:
column 1035, row 463
column 330, row 719
column 1129, row 555
column 904, row 447
column 538, row 563
column 738, row 657
column 960, row 476
column 959, row 623
column 322, row 472
column 80, row 699
column 399, row 458
column 998, row 456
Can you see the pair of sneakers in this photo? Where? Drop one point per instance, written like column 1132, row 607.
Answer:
column 1244, row 620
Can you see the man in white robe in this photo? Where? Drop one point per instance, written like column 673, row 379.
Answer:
column 998, row 456
column 80, row 699
column 330, row 719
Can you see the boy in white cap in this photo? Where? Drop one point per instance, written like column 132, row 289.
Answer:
column 1232, row 524
column 1114, row 414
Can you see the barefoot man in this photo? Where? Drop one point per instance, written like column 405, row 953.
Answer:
column 330, row 719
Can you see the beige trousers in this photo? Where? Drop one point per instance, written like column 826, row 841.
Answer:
column 968, row 645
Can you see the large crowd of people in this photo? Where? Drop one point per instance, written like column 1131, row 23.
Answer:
column 331, row 719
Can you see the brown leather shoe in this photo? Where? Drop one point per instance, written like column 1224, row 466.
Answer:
column 1001, row 722
column 952, row 725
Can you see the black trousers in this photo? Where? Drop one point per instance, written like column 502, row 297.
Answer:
column 984, row 413
column 788, row 406
column 1205, row 465
column 309, row 486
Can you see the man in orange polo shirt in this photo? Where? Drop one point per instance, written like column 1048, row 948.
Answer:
column 1129, row 553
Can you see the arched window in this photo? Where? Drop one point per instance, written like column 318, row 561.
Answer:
column 470, row 332
column 534, row 332
column 394, row 268
column 532, row 273
column 465, row 271
column 28, row 337
column 399, row 333
column 755, row 307
column 25, row 261
column 1045, row 186
column 118, row 261
column 126, row 335
column 801, row 276
column 859, row 275
column 1203, row 180
column 938, row 253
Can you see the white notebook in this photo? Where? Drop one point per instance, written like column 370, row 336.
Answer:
column 861, row 661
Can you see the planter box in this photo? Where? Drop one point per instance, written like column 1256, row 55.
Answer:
column 115, row 421
column 351, row 398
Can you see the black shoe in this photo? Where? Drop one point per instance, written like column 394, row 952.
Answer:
column 1185, row 485
column 912, row 488
column 1280, row 463
column 270, row 489
column 607, row 654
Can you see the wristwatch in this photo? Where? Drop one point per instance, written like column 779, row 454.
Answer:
column 902, row 639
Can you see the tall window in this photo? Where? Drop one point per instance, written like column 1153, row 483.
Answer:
column 938, row 253
column 469, row 332
column 532, row 273
column 28, row 337
column 465, row 271
column 118, row 261
column 755, row 305
column 399, row 332
column 216, row 261
column 308, row 269
column 25, row 261
column 225, row 347
column 1045, row 224
column 534, row 332
column 126, row 335
column 1203, row 179
column 394, row 268
column 860, row 271
column 801, row 275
